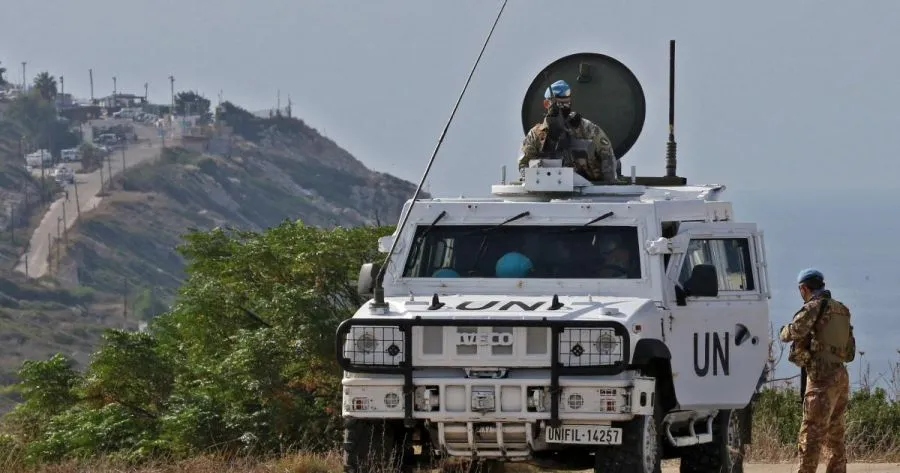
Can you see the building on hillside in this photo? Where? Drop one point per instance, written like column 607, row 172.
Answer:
column 64, row 101
column 118, row 101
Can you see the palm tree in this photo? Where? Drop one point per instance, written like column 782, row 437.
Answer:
column 45, row 84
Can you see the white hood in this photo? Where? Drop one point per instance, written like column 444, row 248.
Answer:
column 490, row 307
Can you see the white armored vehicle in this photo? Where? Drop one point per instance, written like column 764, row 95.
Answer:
column 562, row 322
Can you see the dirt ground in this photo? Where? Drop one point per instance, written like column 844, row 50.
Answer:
column 791, row 467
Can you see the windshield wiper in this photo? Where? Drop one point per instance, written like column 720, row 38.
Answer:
column 417, row 244
column 511, row 219
column 586, row 226
column 483, row 245
column 602, row 217
column 433, row 223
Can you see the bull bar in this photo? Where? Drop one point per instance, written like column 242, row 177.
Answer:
column 407, row 366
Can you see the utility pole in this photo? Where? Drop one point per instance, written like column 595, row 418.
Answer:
column 91, row 74
column 146, row 85
column 58, row 220
column 24, row 80
column 114, row 90
column 43, row 192
column 172, row 89
column 65, row 225
column 109, row 167
column 62, row 85
column 77, row 203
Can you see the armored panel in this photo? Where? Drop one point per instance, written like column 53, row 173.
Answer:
column 603, row 90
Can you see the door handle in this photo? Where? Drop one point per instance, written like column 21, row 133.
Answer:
column 741, row 334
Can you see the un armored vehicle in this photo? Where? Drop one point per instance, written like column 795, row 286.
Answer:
column 563, row 322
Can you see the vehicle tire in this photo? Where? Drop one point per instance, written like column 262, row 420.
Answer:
column 641, row 449
column 375, row 446
column 725, row 454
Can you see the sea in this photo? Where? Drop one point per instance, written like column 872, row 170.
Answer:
column 847, row 235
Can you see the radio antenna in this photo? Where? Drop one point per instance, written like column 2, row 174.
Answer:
column 379, row 289
column 671, row 145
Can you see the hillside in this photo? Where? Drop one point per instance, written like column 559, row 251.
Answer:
column 36, row 317
column 276, row 169
column 121, row 265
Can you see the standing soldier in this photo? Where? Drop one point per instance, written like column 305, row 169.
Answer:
column 602, row 166
column 822, row 343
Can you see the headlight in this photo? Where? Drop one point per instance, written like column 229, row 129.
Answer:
column 366, row 343
column 589, row 347
column 374, row 345
column 608, row 343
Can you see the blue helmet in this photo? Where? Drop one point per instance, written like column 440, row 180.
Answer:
column 513, row 265
column 560, row 89
column 808, row 274
column 445, row 273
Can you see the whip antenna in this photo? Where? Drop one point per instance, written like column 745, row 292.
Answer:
column 379, row 289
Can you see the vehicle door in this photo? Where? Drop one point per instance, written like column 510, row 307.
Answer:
column 718, row 333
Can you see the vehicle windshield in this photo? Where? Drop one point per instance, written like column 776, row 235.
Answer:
column 523, row 251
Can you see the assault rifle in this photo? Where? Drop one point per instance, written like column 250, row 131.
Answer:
column 559, row 143
column 807, row 343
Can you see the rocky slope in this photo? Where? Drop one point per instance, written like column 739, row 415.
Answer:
column 121, row 266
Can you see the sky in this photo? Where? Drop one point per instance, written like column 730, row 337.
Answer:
column 768, row 94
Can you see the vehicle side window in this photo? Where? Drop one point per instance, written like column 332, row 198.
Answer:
column 730, row 257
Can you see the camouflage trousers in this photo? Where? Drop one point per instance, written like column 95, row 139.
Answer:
column 824, row 407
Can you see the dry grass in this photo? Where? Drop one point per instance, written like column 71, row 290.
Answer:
column 765, row 449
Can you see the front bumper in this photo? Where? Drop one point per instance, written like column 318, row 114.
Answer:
column 499, row 418
column 518, row 398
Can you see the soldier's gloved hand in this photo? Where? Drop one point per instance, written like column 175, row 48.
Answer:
column 553, row 110
column 574, row 119
column 784, row 333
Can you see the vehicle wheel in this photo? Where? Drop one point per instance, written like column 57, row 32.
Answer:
column 725, row 454
column 376, row 446
column 641, row 448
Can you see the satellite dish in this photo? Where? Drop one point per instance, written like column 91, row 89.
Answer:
column 603, row 90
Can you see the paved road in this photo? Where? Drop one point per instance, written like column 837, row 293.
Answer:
column 35, row 260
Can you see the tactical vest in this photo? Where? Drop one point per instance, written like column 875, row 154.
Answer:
column 832, row 338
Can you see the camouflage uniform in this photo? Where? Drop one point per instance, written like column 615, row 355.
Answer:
column 828, row 383
column 602, row 168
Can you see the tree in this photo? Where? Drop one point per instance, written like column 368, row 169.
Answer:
column 3, row 81
column 91, row 156
column 37, row 118
column 191, row 103
column 45, row 84
column 243, row 361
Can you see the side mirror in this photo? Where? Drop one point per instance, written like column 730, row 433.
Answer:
column 703, row 281
column 365, row 284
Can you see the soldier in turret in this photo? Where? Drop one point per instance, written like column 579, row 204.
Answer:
column 602, row 166
column 822, row 343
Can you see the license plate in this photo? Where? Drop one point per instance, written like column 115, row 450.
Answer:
column 584, row 434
